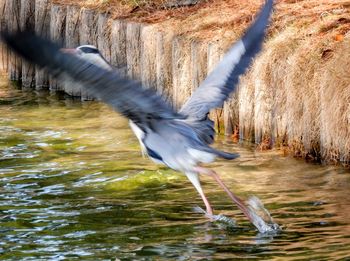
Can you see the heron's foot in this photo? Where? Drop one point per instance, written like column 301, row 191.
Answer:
column 217, row 218
column 252, row 212
column 208, row 213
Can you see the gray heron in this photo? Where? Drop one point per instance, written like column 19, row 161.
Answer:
column 179, row 139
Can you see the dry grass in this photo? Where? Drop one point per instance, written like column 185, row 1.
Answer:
column 221, row 20
column 334, row 81
column 299, row 90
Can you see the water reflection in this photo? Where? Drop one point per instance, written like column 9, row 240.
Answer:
column 74, row 185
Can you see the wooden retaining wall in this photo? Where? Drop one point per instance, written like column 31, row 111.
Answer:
column 172, row 65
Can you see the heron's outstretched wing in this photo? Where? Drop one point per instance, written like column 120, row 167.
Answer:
column 124, row 95
column 216, row 88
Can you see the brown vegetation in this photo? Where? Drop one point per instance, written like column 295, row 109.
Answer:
column 300, row 87
column 218, row 19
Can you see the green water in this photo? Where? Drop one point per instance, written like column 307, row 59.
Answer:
column 74, row 186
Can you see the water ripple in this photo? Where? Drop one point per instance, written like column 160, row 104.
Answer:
column 74, row 186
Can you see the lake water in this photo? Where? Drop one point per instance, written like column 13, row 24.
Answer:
column 74, row 186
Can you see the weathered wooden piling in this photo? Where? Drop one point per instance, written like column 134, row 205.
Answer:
column 181, row 71
column 3, row 26
column 148, row 57
column 57, row 34
column 88, row 27
column 246, row 93
column 27, row 23
column 231, row 115
column 58, row 24
column 13, row 19
column 118, row 44
column 214, row 56
column 104, row 35
column 72, row 41
column 87, row 36
column 163, row 66
column 199, row 63
column 42, row 27
column 72, row 27
column 133, row 50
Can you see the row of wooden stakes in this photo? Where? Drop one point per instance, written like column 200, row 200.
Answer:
column 173, row 65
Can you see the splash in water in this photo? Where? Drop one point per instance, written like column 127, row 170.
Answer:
column 261, row 217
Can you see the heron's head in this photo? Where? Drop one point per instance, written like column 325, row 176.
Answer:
column 88, row 50
column 91, row 54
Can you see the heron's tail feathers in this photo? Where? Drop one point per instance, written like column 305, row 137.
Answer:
column 203, row 128
column 222, row 154
column 227, row 155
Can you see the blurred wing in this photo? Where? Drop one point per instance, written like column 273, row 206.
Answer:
column 216, row 88
column 124, row 95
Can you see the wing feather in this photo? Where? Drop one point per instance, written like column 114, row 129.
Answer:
column 216, row 88
column 124, row 95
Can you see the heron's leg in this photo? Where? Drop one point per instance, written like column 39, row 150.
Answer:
column 209, row 209
column 193, row 177
column 239, row 202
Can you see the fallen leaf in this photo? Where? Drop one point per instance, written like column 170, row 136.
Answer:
column 339, row 37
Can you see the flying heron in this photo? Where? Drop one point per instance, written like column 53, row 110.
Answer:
column 178, row 139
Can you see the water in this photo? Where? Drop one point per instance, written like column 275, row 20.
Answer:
column 74, row 186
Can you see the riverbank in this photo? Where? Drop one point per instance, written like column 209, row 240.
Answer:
column 295, row 96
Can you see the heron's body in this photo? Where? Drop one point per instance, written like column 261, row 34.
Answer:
column 179, row 139
column 175, row 144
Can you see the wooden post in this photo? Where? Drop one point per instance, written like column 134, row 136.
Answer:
column 28, row 24
column 104, row 36
column 246, row 92
column 88, row 27
column 57, row 34
column 148, row 57
column 72, row 27
column 133, row 50
column 42, row 27
column 13, row 19
column 164, row 66
column 181, row 70
column 214, row 56
column 88, row 35
column 72, row 41
column 3, row 26
column 118, row 45
column 230, row 111
column 199, row 64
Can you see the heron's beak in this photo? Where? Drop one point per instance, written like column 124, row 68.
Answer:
column 69, row 50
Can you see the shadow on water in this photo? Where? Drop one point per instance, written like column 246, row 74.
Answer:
column 73, row 185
